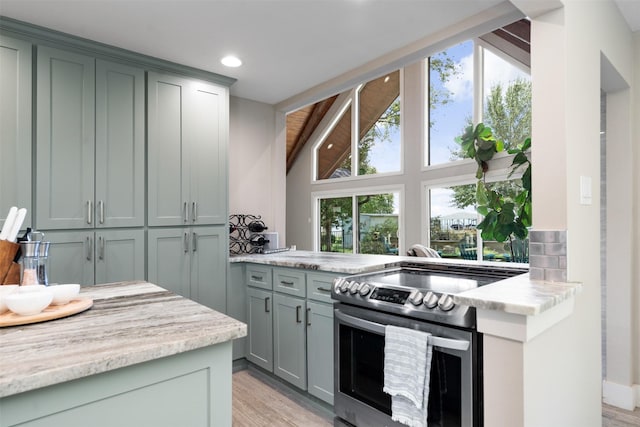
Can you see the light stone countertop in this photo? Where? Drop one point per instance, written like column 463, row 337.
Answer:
column 129, row 323
column 516, row 295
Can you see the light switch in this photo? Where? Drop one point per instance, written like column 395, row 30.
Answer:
column 585, row 190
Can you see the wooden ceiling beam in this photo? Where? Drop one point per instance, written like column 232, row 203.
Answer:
column 317, row 114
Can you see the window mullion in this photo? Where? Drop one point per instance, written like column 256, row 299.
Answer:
column 355, row 122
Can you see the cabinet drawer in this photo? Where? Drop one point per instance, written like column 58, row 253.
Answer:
column 319, row 286
column 259, row 276
column 290, row 281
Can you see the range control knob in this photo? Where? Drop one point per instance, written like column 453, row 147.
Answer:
column 353, row 289
column 446, row 303
column 337, row 283
column 365, row 289
column 416, row 298
column 344, row 286
column 430, row 300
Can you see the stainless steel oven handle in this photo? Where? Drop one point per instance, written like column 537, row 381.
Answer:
column 462, row 345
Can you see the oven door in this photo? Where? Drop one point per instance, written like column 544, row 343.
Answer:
column 455, row 377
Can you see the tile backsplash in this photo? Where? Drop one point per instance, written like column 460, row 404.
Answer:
column 548, row 255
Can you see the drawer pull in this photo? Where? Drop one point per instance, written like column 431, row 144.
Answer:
column 298, row 307
column 322, row 289
column 256, row 278
column 266, row 304
column 285, row 283
column 308, row 317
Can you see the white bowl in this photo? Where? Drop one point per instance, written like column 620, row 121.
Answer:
column 31, row 288
column 28, row 303
column 62, row 294
column 4, row 291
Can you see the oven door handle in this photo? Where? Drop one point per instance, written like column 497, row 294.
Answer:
column 448, row 343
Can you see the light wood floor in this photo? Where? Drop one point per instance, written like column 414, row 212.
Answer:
column 259, row 401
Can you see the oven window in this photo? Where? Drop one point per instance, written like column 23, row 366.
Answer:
column 362, row 377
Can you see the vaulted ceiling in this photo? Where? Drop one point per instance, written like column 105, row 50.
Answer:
column 302, row 123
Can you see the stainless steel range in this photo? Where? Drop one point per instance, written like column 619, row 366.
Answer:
column 420, row 297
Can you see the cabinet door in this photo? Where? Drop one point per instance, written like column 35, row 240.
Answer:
column 65, row 140
column 290, row 281
column 209, row 251
column 119, row 255
column 289, row 340
column 259, row 276
column 237, row 304
column 120, row 153
column 260, row 328
column 167, row 190
column 15, row 126
column 168, row 259
column 71, row 257
column 319, row 286
column 206, row 135
column 320, row 350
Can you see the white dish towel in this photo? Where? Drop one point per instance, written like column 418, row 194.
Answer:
column 407, row 367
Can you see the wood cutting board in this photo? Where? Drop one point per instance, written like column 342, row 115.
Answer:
column 50, row 313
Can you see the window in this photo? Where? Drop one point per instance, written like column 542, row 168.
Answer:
column 374, row 108
column 372, row 230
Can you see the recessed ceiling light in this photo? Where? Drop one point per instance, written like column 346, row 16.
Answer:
column 329, row 147
column 231, row 61
column 386, row 79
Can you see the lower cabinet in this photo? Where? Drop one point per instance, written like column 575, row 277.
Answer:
column 260, row 327
column 290, row 339
column 320, row 350
column 237, row 305
column 291, row 328
column 90, row 257
column 190, row 262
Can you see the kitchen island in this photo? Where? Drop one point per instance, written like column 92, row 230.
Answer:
column 141, row 356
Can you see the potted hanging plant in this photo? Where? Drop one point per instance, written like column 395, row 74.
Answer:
column 507, row 216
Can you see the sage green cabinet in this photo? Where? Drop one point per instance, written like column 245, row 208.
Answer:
column 15, row 126
column 65, row 147
column 187, row 126
column 90, row 142
column 237, row 304
column 120, row 167
column 89, row 257
column 260, row 327
column 290, row 339
column 190, row 261
column 320, row 350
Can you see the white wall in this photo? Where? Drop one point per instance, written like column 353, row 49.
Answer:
column 256, row 163
column 636, row 210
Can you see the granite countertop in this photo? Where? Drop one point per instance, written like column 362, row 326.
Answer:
column 129, row 323
column 516, row 295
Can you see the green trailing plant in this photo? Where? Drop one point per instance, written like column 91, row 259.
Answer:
column 506, row 217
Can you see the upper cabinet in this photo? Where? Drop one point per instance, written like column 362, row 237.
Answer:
column 15, row 126
column 65, row 147
column 187, row 142
column 90, row 142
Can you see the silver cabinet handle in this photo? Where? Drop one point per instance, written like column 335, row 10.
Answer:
column 89, row 211
column 298, row 307
column 256, row 278
column 194, row 211
column 266, row 304
column 89, row 248
column 101, row 209
column 185, row 215
column 194, row 245
column 101, row 251
column 186, row 243
column 285, row 283
column 322, row 289
column 308, row 317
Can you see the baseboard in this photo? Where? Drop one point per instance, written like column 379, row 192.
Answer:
column 636, row 389
column 620, row 396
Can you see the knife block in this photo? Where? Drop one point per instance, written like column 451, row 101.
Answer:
column 8, row 268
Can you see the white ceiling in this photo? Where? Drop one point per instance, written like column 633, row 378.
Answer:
column 287, row 46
